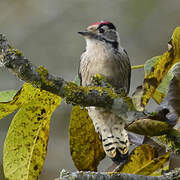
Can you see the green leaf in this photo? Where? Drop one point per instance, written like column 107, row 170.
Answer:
column 149, row 127
column 25, row 145
column 10, row 103
column 77, row 80
column 6, row 96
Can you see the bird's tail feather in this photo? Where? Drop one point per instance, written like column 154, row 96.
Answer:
column 113, row 135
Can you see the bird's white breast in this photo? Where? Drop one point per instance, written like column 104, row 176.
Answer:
column 98, row 59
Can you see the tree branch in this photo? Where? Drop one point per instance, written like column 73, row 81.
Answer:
column 13, row 60
column 65, row 175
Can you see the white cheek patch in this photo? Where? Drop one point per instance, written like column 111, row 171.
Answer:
column 92, row 28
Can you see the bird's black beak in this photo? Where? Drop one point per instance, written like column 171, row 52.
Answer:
column 86, row 33
column 83, row 33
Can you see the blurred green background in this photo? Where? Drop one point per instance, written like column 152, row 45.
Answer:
column 46, row 32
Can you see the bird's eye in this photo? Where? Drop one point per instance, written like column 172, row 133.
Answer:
column 101, row 30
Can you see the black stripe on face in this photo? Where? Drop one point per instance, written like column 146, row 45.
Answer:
column 109, row 25
column 114, row 44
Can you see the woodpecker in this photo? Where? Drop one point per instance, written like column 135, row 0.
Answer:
column 104, row 55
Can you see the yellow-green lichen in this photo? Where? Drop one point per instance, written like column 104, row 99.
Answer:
column 129, row 102
column 15, row 51
column 164, row 140
column 74, row 93
column 71, row 91
column 43, row 72
column 171, row 140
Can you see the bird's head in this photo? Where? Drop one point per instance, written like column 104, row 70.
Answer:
column 102, row 31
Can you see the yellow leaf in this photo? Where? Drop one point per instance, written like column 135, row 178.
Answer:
column 26, row 141
column 158, row 96
column 138, row 158
column 153, row 165
column 85, row 145
column 143, row 161
column 162, row 88
column 161, row 67
column 159, row 171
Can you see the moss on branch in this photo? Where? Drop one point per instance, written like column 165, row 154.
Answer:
column 65, row 175
column 39, row 77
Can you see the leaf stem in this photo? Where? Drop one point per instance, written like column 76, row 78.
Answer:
column 137, row 66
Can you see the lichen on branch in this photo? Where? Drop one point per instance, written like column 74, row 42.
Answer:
column 39, row 77
column 65, row 175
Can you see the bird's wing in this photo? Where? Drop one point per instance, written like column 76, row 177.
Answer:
column 124, row 65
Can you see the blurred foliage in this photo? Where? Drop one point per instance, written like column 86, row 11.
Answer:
column 145, row 6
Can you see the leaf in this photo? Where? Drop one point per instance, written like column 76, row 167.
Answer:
column 172, row 140
column 159, row 171
column 161, row 67
column 149, row 127
column 6, row 96
column 77, row 80
column 154, row 165
column 173, row 94
column 139, row 157
column 85, row 146
column 161, row 90
column 9, row 103
column 143, row 161
column 158, row 96
column 26, row 141
column 1, row 172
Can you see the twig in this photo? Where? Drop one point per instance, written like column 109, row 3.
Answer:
column 137, row 66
